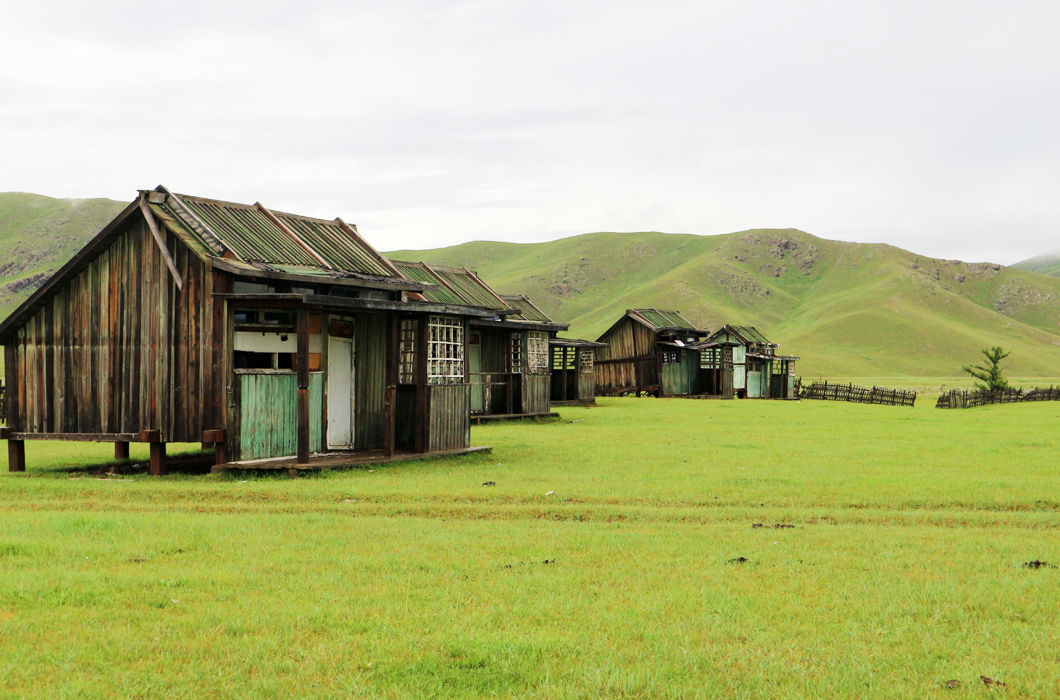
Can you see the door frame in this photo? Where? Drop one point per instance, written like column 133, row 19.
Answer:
column 331, row 394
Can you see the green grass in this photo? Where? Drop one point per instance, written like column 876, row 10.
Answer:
column 39, row 234
column 599, row 565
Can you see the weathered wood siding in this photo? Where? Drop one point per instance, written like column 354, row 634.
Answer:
column 535, row 393
column 268, row 420
column 370, row 348
column 449, row 423
column 118, row 348
column 629, row 361
column 586, row 386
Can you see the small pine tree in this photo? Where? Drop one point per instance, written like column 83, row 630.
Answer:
column 989, row 372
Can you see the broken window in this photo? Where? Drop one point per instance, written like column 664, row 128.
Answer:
column 563, row 358
column 407, row 367
column 669, row 357
column 445, row 350
column 537, row 352
column 517, row 352
column 586, row 361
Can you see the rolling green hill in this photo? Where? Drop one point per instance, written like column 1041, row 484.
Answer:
column 1047, row 264
column 848, row 309
column 38, row 234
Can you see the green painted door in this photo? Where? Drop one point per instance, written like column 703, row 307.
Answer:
column 474, row 358
column 754, row 385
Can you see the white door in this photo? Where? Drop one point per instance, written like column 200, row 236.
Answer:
column 340, row 393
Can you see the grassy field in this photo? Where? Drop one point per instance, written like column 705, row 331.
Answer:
column 618, row 553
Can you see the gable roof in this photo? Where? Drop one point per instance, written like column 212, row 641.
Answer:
column 526, row 308
column 244, row 239
column 659, row 320
column 747, row 334
column 253, row 233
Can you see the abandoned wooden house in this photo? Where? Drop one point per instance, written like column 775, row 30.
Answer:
column 508, row 352
column 271, row 336
column 660, row 353
column 757, row 370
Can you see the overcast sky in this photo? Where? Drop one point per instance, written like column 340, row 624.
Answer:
column 930, row 125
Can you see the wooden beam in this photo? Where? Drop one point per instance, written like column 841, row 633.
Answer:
column 213, row 436
column 121, row 450
column 78, row 437
column 161, row 241
column 303, row 384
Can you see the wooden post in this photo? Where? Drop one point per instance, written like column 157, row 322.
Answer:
column 121, row 450
column 303, row 385
column 157, row 466
column 422, row 350
column 393, row 360
column 390, row 396
column 158, row 459
column 16, row 456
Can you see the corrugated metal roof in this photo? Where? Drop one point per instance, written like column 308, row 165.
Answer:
column 752, row 334
column 258, row 235
column 419, row 272
column 526, row 308
column 333, row 242
column 665, row 319
column 471, row 292
column 248, row 232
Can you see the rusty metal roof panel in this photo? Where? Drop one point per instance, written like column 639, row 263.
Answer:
column 665, row 319
column 333, row 242
column 526, row 308
column 471, row 292
column 752, row 334
column 249, row 233
column 418, row 272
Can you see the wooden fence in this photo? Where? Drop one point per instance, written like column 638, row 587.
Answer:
column 3, row 403
column 969, row 398
column 827, row 391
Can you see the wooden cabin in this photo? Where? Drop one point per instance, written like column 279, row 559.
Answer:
column 508, row 352
column 758, row 371
column 268, row 335
column 573, row 371
column 659, row 353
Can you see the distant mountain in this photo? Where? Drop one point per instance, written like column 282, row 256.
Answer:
column 1047, row 264
column 848, row 309
column 39, row 234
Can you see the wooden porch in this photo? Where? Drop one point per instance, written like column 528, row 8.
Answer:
column 340, row 460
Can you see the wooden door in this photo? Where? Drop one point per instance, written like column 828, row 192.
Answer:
column 340, row 393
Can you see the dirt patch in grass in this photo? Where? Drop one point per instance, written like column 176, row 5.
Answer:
column 1038, row 564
